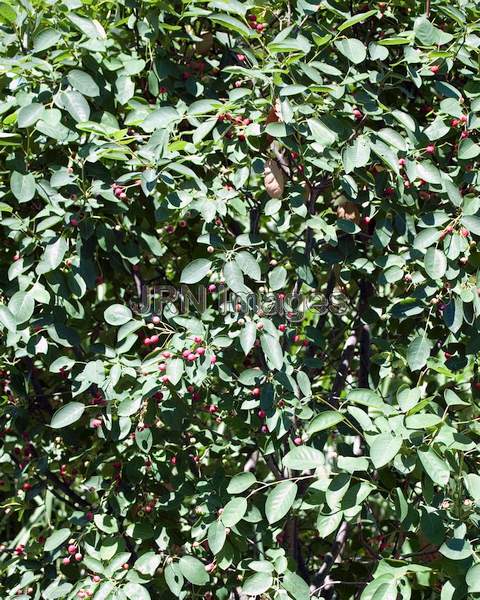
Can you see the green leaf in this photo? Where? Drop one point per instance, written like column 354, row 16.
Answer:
column 296, row 586
column 89, row 27
column 436, row 468
column 160, row 119
column 196, row 270
column 472, row 223
column 21, row 306
column 456, row 549
column 234, row 511
column 383, row 449
column 418, row 352
column 453, row 314
column 117, row 314
column 356, row 19
column 193, row 570
column 46, row 39
column 232, row 24
column 241, row 482
column 257, row 584
column 56, row 539
column 303, row 457
column 22, row 186
column 352, row 49
column 148, row 563
column 174, row 578
column 29, row 115
column 7, row 319
column 247, row 336
column 272, row 350
column 7, row 13
column 325, row 420
column 135, row 591
column 216, row 536
column 76, row 105
column 435, row 263
column 67, row 414
column 280, row 500
column 53, row 256
column 83, row 83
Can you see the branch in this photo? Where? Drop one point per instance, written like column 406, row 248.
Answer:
column 342, row 370
column 332, row 556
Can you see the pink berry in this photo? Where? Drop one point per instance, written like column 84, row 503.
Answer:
column 464, row 232
column 262, row 414
column 213, row 359
column 430, row 149
column 165, row 379
column 357, row 114
column 191, row 357
column 434, row 69
column 73, row 222
column 241, row 57
column 162, row 367
column 464, row 118
column 166, row 354
column 256, row 392
column 200, row 351
column 96, row 578
column 212, row 287
column 185, row 353
column 154, row 339
column 78, row 557
column 156, row 319
column 197, row 339
column 89, row 516
column 264, row 429
column 72, row 549
column 147, row 341
column 402, row 162
column 298, row 441
column 96, row 423
column 66, row 561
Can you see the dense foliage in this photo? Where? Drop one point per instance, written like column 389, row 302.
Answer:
column 274, row 148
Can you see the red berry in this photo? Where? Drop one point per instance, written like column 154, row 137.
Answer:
column 463, row 118
column 256, row 392
column 260, row 26
column 282, row 327
column 262, row 414
column 26, row 486
column 434, row 69
column 402, row 162
column 357, row 114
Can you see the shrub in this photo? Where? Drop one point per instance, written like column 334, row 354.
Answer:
column 321, row 158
